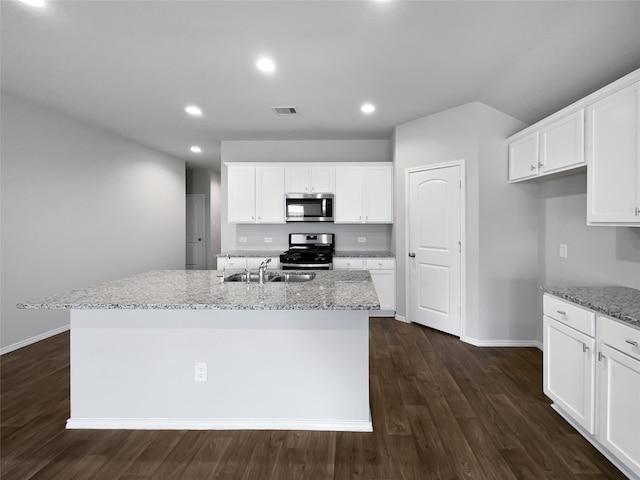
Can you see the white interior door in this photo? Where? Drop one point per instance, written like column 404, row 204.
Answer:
column 434, row 263
column 195, row 255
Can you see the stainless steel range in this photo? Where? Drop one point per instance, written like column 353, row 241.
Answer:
column 309, row 251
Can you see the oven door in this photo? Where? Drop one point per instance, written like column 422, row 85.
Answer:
column 306, row 266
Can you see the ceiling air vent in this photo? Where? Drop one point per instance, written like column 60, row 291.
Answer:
column 285, row 110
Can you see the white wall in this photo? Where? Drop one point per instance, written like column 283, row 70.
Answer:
column 299, row 151
column 596, row 255
column 80, row 206
column 501, row 243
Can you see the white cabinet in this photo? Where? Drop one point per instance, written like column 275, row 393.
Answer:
column 619, row 391
column 551, row 148
column 255, row 194
column 613, row 158
column 523, row 157
column 313, row 179
column 241, row 200
column 562, row 144
column 364, row 194
column 591, row 371
column 569, row 360
column 252, row 263
column 383, row 275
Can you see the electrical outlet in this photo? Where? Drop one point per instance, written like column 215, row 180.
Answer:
column 200, row 372
column 242, row 239
column 362, row 239
column 268, row 239
column 563, row 250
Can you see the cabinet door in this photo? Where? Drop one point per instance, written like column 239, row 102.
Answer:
column 378, row 194
column 322, row 179
column 568, row 373
column 562, row 144
column 619, row 406
column 241, row 194
column 270, row 194
column 297, row 179
column 613, row 158
column 523, row 158
column 384, row 282
column 348, row 199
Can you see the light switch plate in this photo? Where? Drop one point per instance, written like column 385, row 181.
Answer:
column 200, row 372
column 268, row 239
column 242, row 239
column 563, row 250
column 362, row 239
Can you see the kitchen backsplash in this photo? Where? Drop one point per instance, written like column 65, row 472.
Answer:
column 377, row 237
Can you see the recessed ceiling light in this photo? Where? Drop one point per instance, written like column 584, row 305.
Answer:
column 266, row 65
column 193, row 110
column 196, row 149
column 367, row 108
column 34, row 3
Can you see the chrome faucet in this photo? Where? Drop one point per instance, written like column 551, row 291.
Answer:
column 224, row 268
column 262, row 269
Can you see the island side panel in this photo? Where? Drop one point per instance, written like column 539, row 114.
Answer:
column 266, row 369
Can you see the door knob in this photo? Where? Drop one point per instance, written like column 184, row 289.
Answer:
column 199, row 239
column 412, row 255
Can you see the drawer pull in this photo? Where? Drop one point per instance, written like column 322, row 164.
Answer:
column 562, row 312
column 632, row 343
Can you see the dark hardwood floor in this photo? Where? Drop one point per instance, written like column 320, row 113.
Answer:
column 441, row 409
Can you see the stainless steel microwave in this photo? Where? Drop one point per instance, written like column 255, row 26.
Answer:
column 309, row 207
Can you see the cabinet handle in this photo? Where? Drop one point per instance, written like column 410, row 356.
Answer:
column 637, row 211
column 533, row 167
column 561, row 312
column 412, row 255
column 600, row 356
column 585, row 349
column 540, row 164
column 632, row 343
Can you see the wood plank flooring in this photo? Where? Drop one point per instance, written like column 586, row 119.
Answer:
column 441, row 409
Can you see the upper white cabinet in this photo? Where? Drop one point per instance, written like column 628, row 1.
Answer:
column 241, row 202
column 613, row 158
column 562, row 144
column 523, row 158
column 256, row 194
column 313, row 179
column 553, row 147
column 364, row 194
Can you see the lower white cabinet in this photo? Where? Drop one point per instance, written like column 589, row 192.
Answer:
column 618, row 428
column 569, row 361
column 383, row 275
column 252, row 263
column 591, row 371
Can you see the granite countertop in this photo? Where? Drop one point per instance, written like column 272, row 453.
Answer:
column 364, row 253
column 202, row 290
column 621, row 303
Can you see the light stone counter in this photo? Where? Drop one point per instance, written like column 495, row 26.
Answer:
column 202, row 290
column 175, row 349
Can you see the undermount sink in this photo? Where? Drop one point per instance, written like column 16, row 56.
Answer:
column 271, row 277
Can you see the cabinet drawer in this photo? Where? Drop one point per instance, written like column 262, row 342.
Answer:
column 619, row 336
column 570, row 314
column 348, row 263
column 380, row 263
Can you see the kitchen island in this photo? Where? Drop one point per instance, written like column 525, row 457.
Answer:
column 180, row 350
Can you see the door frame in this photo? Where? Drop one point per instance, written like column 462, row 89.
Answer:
column 463, row 235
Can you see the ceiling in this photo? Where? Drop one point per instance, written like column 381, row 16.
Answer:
column 132, row 66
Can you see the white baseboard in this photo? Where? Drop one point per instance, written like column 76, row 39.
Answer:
column 216, row 424
column 402, row 318
column 502, row 343
column 32, row 340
